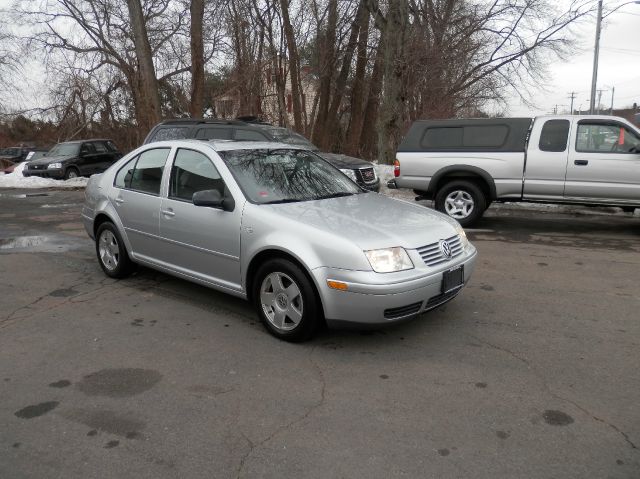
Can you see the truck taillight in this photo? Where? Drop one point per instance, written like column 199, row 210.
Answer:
column 396, row 168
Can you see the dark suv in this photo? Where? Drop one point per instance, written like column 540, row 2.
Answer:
column 360, row 171
column 74, row 158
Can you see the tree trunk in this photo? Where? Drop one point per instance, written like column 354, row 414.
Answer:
column 332, row 123
column 357, row 93
column 327, row 59
column 294, row 67
column 148, row 84
column 197, row 59
column 390, row 119
column 368, row 136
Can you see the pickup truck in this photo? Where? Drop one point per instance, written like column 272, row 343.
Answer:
column 465, row 165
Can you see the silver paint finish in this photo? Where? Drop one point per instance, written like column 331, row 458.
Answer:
column 553, row 177
column 327, row 237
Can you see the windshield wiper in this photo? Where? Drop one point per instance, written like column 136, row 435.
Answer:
column 335, row 195
column 282, row 200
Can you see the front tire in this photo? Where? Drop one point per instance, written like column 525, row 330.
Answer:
column 462, row 200
column 72, row 172
column 285, row 300
column 112, row 254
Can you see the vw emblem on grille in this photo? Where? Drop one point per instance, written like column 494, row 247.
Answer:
column 445, row 248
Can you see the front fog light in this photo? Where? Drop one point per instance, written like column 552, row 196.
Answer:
column 389, row 260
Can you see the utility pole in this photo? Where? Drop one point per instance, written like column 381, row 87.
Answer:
column 613, row 90
column 571, row 97
column 596, row 51
column 599, row 101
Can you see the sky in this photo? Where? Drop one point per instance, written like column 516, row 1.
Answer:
column 619, row 67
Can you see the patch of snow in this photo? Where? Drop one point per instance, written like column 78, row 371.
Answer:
column 17, row 180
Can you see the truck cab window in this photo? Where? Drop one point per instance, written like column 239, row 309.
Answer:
column 603, row 138
column 554, row 136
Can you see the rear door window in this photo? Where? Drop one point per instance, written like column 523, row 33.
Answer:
column 100, row 147
column 147, row 173
column 554, row 135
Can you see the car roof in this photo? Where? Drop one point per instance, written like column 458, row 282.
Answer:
column 84, row 141
column 198, row 121
column 227, row 145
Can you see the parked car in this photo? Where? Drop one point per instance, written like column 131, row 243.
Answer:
column 32, row 155
column 279, row 226
column 14, row 154
column 464, row 165
column 360, row 171
column 74, row 158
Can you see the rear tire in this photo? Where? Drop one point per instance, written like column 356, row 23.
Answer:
column 112, row 254
column 286, row 301
column 461, row 200
column 629, row 209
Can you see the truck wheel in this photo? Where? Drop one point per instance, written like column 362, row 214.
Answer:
column 462, row 200
column 629, row 209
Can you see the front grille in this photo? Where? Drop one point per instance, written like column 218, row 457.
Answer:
column 442, row 298
column 35, row 167
column 368, row 175
column 432, row 256
column 403, row 311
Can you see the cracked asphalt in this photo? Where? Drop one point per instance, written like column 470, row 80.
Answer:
column 532, row 372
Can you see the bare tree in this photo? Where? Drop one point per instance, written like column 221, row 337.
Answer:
column 197, row 58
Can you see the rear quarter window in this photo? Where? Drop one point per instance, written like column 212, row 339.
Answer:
column 170, row 133
column 554, row 136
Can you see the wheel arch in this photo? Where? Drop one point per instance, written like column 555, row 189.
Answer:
column 274, row 253
column 458, row 172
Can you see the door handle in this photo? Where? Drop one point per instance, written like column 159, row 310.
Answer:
column 168, row 212
column 119, row 200
column 581, row 162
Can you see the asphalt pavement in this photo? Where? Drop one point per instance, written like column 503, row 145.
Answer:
column 532, row 372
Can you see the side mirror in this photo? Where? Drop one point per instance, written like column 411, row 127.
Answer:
column 210, row 198
column 213, row 199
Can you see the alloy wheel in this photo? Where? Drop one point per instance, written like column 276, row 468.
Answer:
column 281, row 301
column 109, row 250
column 459, row 204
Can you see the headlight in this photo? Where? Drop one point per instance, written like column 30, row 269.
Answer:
column 350, row 173
column 463, row 236
column 389, row 260
column 54, row 166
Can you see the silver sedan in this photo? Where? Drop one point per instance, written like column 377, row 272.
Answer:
column 279, row 227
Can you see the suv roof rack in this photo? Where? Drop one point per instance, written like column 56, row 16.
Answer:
column 195, row 121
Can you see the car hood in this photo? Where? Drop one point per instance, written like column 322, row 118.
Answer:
column 344, row 161
column 370, row 220
column 50, row 159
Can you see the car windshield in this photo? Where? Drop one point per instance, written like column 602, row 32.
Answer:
column 284, row 135
column 64, row 149
column 286, row 176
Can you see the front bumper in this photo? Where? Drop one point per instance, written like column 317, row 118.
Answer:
column 374, row 186
column 57, row 174
column 378, row 299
